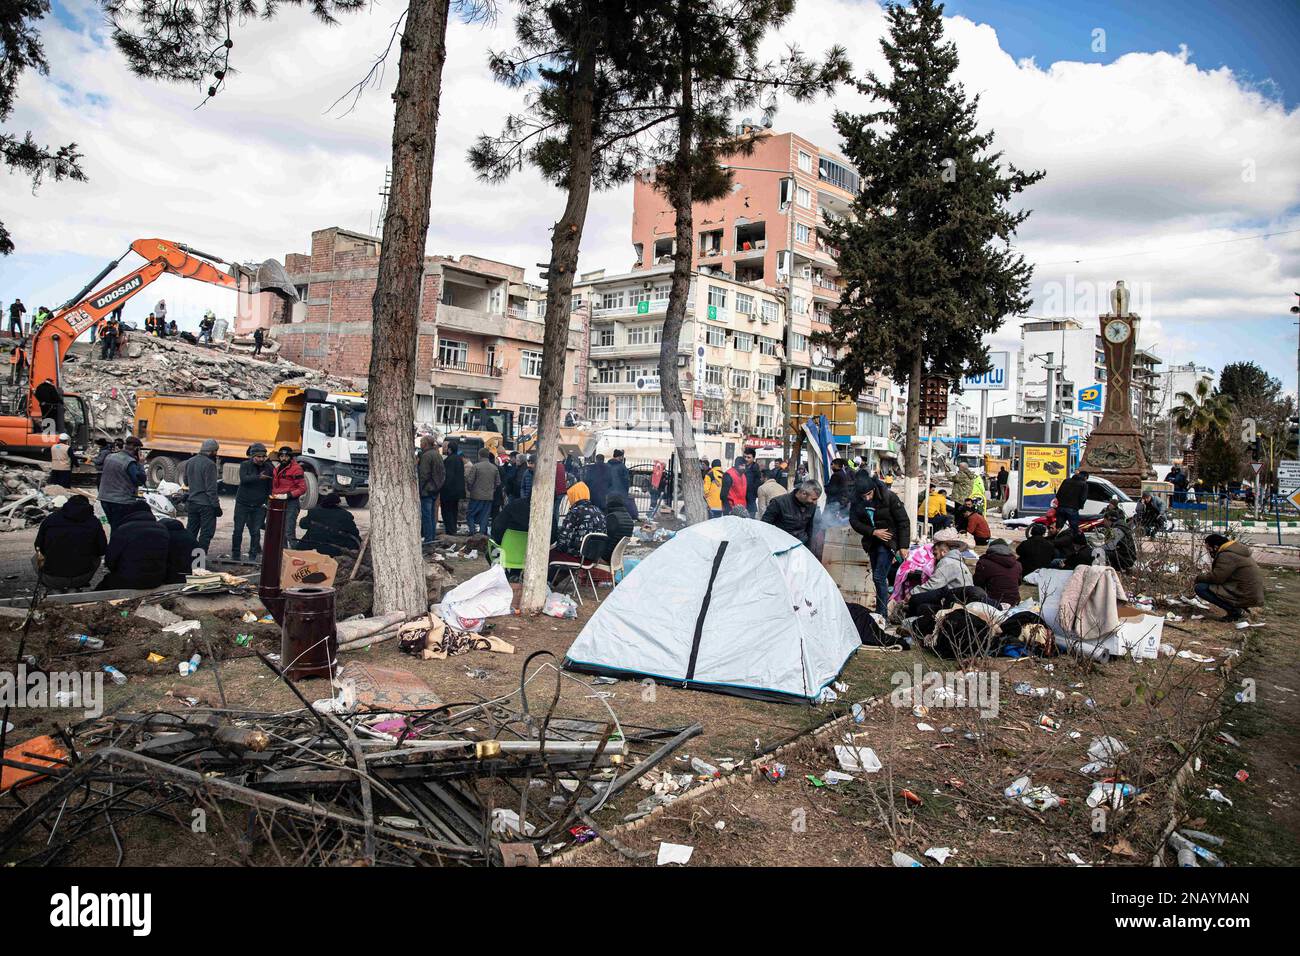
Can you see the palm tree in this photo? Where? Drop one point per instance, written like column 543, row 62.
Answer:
column 1203, row 412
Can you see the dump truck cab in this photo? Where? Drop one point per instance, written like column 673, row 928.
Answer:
column 326, row 430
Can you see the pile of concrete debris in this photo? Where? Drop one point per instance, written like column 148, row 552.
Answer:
column 26, row 496
column 178, row 368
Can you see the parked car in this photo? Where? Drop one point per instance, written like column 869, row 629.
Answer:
column 1100, row 492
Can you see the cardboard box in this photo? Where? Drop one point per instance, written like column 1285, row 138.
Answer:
column 307, row 569
column 1138, row 635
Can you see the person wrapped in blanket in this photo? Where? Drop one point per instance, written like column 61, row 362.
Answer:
column 583, row 518
column 950, row 583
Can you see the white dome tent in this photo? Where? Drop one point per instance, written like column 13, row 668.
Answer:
column 729, row 605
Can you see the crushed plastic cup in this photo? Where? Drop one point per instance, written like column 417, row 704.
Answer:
column 186, row 668
column 1112, row 794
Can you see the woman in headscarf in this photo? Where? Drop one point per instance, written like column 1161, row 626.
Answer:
column 583, row 518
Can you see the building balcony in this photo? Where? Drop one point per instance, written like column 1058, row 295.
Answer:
column 467, row 375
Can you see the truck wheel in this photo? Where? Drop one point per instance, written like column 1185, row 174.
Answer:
column 308, row 499
column 358, row 501
column 162, row 468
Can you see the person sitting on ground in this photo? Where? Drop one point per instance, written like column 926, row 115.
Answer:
column 977, row 527
column 137, row 557
column 184, row 556
column 795, row 511
column 961, row 514
column 618, row 522
column 1234, row 581
column 999, row 573
column 582, row 519
column 1072, row 550
column 1036, row 551
column 950, row 576
column 328, row 528
column 70, row 544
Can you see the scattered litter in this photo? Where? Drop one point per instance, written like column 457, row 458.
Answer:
column 1113, row 794
column 1106, row 748
column 940, row 853
column 183, row 627
column 902, row 859
column 857, row 759
column 674, row 853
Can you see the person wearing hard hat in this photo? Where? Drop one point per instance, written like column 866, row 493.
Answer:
column 255, row 476
column 61, row 462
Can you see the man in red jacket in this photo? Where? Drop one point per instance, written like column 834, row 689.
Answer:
column 289, row 482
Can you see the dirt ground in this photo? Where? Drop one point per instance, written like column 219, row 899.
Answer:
column 1155, row 708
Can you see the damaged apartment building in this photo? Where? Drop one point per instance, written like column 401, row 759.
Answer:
column 480, row 338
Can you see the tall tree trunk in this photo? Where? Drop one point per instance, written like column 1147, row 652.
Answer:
column 566, row 238
column 394, row 496
column 912, row 477
column 681, row 195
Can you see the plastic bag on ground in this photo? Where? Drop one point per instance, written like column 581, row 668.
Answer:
column 487, row 594
column 559, row 605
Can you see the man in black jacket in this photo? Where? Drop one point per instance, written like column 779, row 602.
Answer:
column 432, row 475
column 795, row 512
column 839, row 487
column 183, row 551
column 452, row 492
column 1071, row 497
column 70, row 544
column 138, row 552
column 598, row 479
column 329, row 529
column 618, row 523
column 250, row 502
column 753, row 478
column 881, row 519
column 202, row 506
column 1036, row 551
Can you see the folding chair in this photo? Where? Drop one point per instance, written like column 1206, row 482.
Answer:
column 591, row 550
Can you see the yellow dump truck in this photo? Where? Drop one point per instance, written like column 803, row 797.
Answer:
column 327, row 432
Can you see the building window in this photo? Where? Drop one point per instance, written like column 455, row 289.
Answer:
column 645, row 334
column 767, row 346
column 764, row 416
column 715, row 335
column 742, row 342
column 640, row 295
column 453, row 353
column 626, row 408
column 602, row 336
column 717, row 297
column 639, row 371
column 661, row 291
column 598, row 408
column 739, row 378
column 652, row 408
column 800, row 341
column 804, row 198
column 766, row 383
column 714, row 410
column 448, row 411
column 527, row 416
column 611, row 300
column 713, row 375
column 492, row 356
column 802, row 233
column 799, row 305
column 606, row 375
column 744, row 303
column 805, row 162
column 837, row 175
column 530, row 364
column 769, row 311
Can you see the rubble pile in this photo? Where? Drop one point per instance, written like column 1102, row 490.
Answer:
column 175, row 367
column 26, row 496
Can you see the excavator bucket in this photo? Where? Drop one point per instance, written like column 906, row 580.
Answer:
column 268, row 277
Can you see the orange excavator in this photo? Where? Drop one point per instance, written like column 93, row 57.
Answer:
column 34, row 405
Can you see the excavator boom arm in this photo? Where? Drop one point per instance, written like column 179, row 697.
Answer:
column 51, row 342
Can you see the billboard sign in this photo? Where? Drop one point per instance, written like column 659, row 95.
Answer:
column 1042, row 469
column 1089, row 398
column 994, row 380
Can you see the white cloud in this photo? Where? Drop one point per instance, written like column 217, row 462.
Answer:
column 1149, row 153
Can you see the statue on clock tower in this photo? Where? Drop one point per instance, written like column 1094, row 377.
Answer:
column 1114, row 447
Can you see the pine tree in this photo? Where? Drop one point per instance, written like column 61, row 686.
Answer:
column 707, row 61
column 589, row 109
column 926, row 260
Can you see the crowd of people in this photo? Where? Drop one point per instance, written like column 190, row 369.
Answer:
column 141, row 550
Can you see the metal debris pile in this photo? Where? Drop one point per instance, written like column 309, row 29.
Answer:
column 178, row 368
column 473, row 784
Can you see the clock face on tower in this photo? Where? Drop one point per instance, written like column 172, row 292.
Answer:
column 1117, row 331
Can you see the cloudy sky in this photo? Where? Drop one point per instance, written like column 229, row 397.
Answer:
column 1170, row 137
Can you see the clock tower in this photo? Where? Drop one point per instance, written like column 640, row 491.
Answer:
column 1114, row 448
